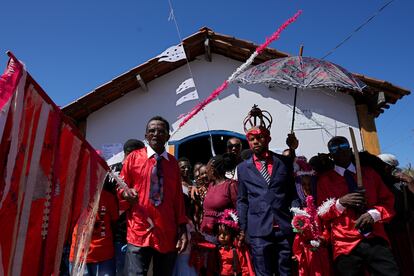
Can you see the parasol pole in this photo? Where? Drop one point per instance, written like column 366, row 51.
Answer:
column 301, row 50
column 296, row 94
column 357, row 162
column 294, row 110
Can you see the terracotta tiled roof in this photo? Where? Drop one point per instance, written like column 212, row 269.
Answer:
column 196, row 45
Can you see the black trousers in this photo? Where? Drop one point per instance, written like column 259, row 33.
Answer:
column 137, row 261
column 371, row 254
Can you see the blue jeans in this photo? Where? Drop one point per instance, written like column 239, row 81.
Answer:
column 138, row 260
column 64, row 263
column 120, row 250
column 104, row 268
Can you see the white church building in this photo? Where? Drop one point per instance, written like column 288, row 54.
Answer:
column 119, row 110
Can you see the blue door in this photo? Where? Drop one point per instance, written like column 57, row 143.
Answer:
column 197, row 147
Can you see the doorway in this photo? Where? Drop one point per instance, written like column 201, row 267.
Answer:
column 197, row 147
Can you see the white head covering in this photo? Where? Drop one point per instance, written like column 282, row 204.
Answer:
column 389, row 159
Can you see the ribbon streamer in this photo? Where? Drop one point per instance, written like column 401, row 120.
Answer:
column 224, row 85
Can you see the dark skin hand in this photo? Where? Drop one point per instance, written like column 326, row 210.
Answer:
column 354, row 200
column 130, row 195
column 364, row 221
column 404, row 177
column 323, row 242
column 291, row 141
column 182, row 239
column 241, row 238
column 193, row 193
column 407, row 179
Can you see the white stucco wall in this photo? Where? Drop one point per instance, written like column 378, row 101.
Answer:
column 320, row 114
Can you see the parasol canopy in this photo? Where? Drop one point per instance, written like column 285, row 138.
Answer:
column 301, row 72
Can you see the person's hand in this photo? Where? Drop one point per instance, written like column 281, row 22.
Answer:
column 241, row 238
column 182, row 239
column 193, row 193
column 196, row 236
column 364, row 221
column 291, row 141
column 323, row 242
column 404, row 177
column 130, row 195
column 201, row 189
column 353, row 200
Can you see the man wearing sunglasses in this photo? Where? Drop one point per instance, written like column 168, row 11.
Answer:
column 356, row 216
column 234, row 145
column 156, row 220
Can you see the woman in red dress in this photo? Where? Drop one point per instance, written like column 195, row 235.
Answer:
column 221, row 193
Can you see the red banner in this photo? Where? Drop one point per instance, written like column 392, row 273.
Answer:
column 50, row 178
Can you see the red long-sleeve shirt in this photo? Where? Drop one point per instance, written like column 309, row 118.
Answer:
column 101, row 247
column 166, row 217
column 344, row 235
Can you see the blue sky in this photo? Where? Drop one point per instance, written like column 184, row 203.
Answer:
column 71, row 48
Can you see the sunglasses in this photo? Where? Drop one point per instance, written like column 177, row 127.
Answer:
column 230, row 146
column 160, row 131
column 335, row 148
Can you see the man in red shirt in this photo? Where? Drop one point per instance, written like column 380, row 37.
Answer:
column 156, row 217
column 356, row 217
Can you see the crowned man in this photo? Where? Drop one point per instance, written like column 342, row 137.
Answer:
column 265, row 195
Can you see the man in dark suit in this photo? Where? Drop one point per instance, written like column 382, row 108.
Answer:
column 265, row 195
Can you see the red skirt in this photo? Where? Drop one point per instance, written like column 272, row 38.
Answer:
column 312, row 263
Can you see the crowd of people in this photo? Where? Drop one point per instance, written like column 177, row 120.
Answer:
column 248, row 212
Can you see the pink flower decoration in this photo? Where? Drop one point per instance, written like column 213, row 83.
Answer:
column 306, row 224
column 224, row 85
column 229, row 217
column 301, row 223
column 276, row 34
column 205, row 102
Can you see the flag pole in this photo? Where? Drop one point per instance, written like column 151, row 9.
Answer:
column 11, row 55
column 296, row 95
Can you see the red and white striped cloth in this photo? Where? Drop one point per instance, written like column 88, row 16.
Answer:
column 50, row 177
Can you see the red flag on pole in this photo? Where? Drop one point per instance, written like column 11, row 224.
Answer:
column 51, row 178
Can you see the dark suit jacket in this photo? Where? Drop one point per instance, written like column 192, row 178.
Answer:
column 260, row 205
